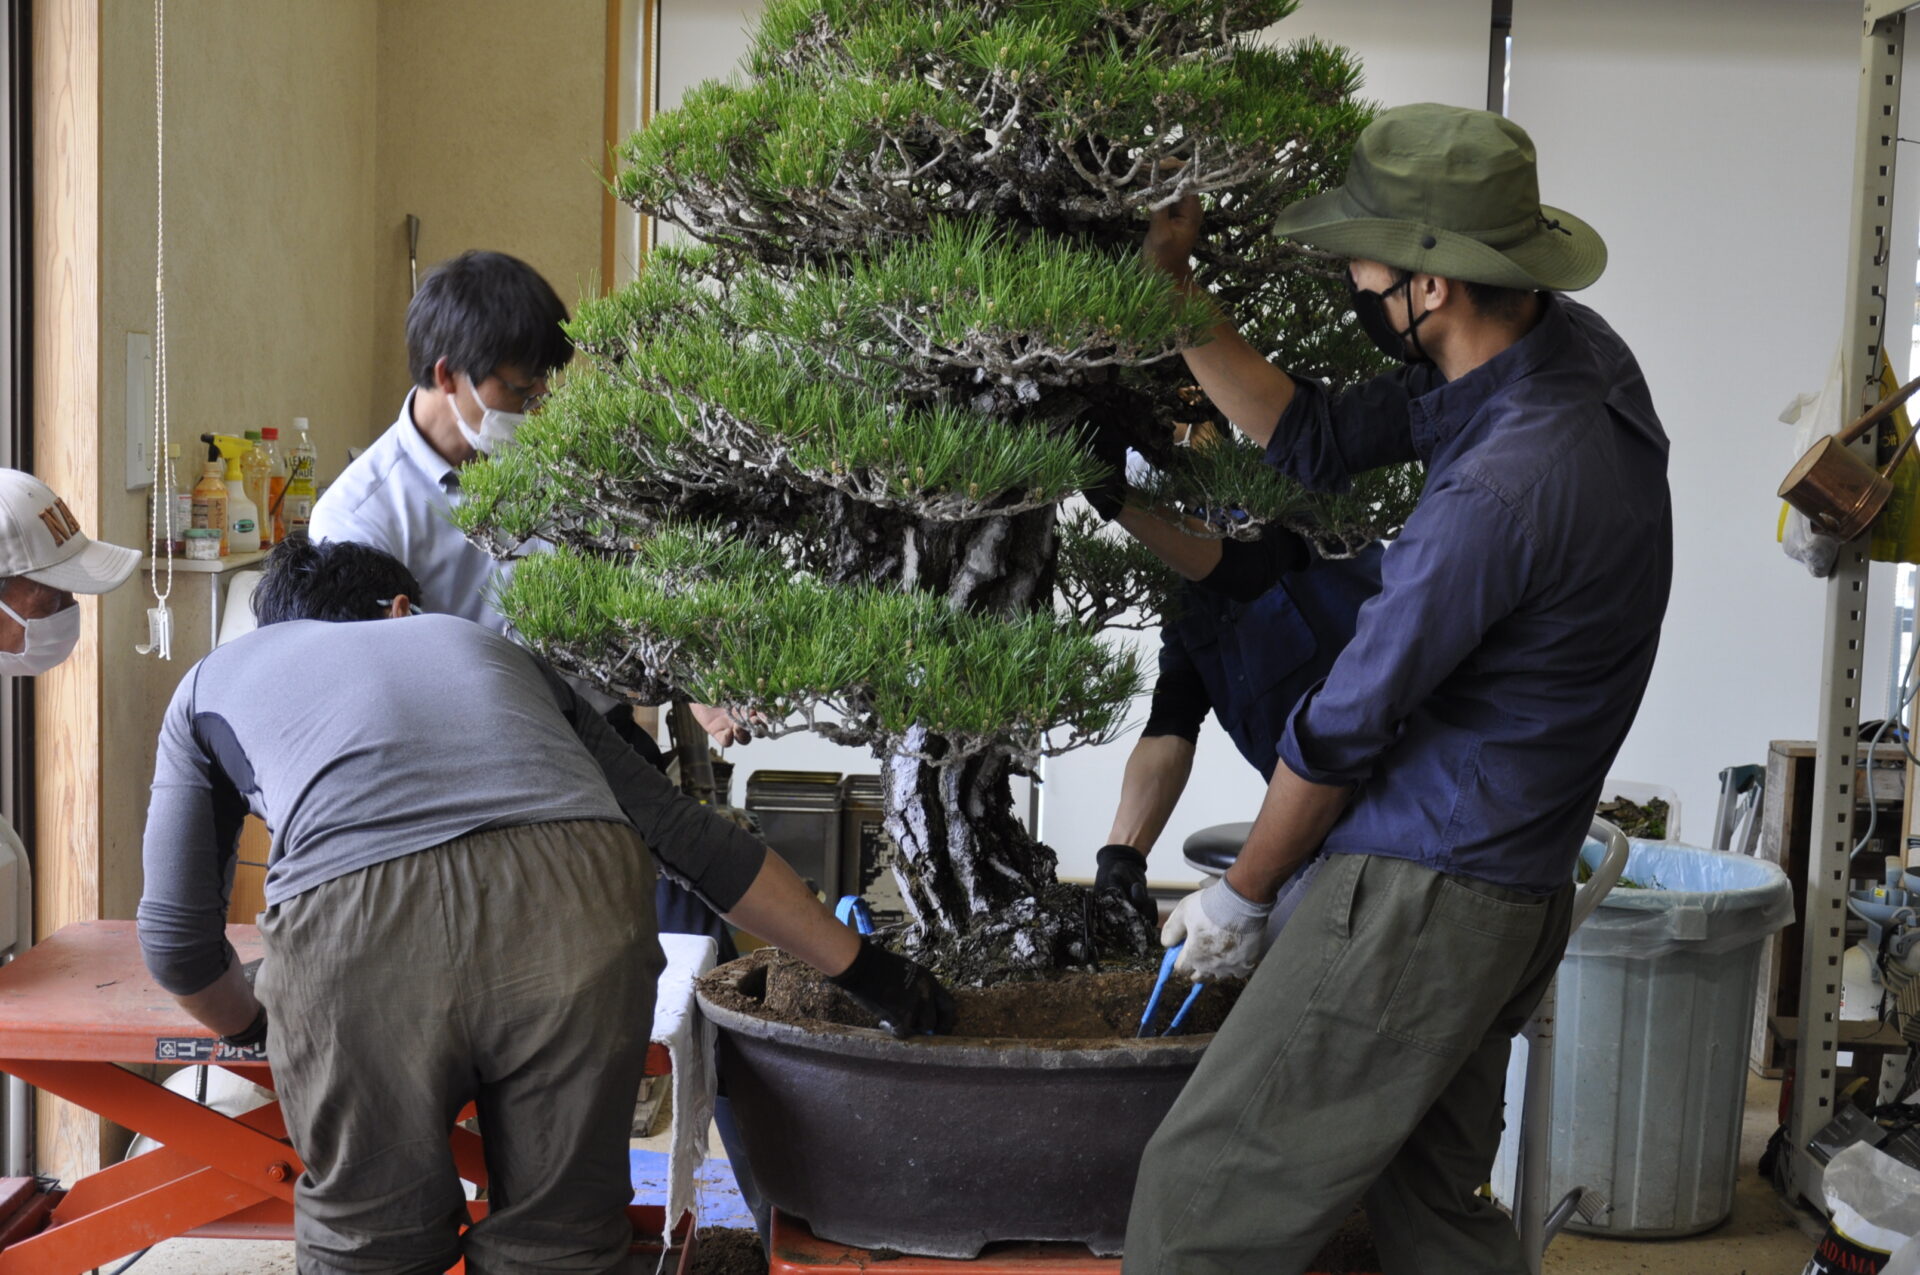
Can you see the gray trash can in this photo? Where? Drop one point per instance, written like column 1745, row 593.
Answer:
column 1650, row 1065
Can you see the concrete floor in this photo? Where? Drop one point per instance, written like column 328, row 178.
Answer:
column 1763, row 1237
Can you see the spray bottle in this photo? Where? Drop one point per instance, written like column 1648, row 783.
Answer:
column 243, row 516
column 210, row 496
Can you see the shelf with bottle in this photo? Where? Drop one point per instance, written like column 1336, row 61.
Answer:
column 208, row 567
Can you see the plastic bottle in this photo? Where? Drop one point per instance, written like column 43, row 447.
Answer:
column 273, row 518
column 182, row 498
column 163, row 502
column 243, row 516
column 254, row 466
column 300, row 478
column 1905, row 1260
column 210, row 498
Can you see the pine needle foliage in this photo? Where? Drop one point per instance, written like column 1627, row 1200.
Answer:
column 731, row 626
column 811, row 465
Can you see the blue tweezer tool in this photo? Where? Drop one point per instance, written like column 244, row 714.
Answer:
column 1159, row 985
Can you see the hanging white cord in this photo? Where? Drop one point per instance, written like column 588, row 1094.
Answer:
column 159, row 618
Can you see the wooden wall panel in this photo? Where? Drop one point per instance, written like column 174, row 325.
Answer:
column 66, row 365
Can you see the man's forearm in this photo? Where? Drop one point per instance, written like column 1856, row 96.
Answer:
column 225, row 1006
column 1193, row 556
column 1155, row 776
column 1249, row 391
column 779, row 908
column 1294, row 819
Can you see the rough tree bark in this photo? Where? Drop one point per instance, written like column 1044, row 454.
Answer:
column 982, row 891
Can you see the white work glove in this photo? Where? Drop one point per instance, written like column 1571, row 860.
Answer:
column 1225, row 933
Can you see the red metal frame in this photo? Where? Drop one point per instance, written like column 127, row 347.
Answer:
column 75, row 1008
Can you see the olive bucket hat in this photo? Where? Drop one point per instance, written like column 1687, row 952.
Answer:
column 1452, row 192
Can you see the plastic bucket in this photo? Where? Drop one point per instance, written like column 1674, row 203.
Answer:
column 1656, row 998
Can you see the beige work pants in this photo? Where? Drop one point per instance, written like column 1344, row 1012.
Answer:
column 513, row 968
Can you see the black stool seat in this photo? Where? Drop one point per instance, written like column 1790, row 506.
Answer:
column 1213, row 850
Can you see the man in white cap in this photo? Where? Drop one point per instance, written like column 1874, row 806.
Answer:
column 45, row 558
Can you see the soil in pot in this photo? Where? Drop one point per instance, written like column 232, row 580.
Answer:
column 1068, row 1006
column 728, row 1250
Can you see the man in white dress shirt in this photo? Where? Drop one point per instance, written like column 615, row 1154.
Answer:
column 483, row 335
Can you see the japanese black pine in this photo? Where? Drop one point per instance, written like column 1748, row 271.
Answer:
column 812, row 466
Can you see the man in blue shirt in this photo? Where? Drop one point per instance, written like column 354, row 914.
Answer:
column 1450, row 762
column 1244, row 641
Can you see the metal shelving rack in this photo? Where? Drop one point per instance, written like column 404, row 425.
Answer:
column 1883, row 42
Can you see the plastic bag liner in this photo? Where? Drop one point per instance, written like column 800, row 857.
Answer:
column 1689, row 900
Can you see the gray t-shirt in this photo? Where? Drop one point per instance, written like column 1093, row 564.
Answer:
column 361, row 742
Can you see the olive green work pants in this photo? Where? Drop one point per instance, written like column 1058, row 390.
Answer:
column 512, row 968
column 1366, row 1060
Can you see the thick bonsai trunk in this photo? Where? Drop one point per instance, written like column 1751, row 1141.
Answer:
column 966, row 856
column 983, row 894
column 1000, row 566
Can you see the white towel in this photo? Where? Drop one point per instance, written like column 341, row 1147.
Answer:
column 688, row 1036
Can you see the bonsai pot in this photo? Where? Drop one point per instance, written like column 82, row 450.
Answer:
column 940, row 1146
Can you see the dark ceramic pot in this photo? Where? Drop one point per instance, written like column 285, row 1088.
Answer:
column 941, row 1146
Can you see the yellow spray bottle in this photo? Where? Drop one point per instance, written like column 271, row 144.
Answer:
column 243, row 516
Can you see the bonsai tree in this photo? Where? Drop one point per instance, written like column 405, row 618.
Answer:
column 812, row 468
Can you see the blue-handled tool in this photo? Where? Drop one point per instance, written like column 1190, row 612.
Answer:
column 852, row 911
column 1159, row 985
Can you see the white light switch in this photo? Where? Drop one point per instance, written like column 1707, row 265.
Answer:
column 139, row 411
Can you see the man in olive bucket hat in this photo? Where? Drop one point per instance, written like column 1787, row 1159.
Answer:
column 1449, row 764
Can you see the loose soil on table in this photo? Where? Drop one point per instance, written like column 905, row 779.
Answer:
column 728, row 1250
column 1071, row 1006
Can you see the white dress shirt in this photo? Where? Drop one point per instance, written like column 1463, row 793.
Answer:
column 398, row 497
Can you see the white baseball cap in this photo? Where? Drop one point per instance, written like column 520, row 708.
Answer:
column 41, row 540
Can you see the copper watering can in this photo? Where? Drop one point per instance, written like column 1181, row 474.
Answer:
column 1839, row 493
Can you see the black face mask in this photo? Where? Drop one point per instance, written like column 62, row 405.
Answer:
column 1371, row 309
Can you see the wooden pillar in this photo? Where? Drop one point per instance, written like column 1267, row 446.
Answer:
column 66, row 447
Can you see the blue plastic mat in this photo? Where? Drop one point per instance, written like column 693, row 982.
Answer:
column 719, row 1196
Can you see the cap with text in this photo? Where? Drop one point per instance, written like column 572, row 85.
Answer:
column 41, row 539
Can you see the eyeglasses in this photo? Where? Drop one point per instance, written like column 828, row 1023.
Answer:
column 530, row 396
column 413, row 608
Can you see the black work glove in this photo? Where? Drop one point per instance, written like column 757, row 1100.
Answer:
column 1124, row 870
column 1110, row 493
column 1247, row 569
column 252, row 1036
column 904, row 995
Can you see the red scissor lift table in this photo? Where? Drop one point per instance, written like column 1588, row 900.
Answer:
column 77, row 1009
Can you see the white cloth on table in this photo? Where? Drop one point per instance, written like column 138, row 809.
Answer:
column 684, row 1030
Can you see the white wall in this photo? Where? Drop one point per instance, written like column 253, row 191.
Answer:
column 1412, row 50
column 1711, row 144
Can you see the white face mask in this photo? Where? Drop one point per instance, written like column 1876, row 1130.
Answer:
column 49, row 640
column 496, row 429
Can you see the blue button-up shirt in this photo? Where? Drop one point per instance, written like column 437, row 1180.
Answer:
column 1250, row 662
column 1493, row 679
